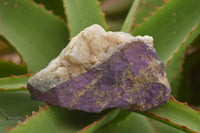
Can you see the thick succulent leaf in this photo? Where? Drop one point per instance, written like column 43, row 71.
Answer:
column 176, row 114
column 56, row 6
column 116, row 11
column 116, row 7
column 189, row 90
column 16, row 105
column 139, row 11
column 81, row 14
column 176, row 83
column 160, row 127
column 55, row 120
column 8, row 68
column 39, row 38
column 5, row 45
column 170, row 25
column 102, row 121
column 127, row 122
column 175, row 63
column 14, row 83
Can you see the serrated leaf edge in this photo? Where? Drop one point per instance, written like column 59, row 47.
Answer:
column 157, row 8
column 168, row 121
column 14, row 76
column 182, row 44
column 28, row 117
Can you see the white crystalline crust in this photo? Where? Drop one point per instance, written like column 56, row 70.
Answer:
column 86, row 50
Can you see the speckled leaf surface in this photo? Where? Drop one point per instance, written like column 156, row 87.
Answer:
column 39, row 31
column 81, row 14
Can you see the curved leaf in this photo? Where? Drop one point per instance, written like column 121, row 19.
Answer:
column 176, row 114
column 14, row 83
column 102, row 121
column 163, row 128
column 170, row 25
column 174, row 64
column 8, row 68
column 55, row 120
column 139, row 11
column 116, row 7
column 127, row 122
column 56, row 6
column 37, row 34
column 16, row 104
column 189, row 90
column 81, row 14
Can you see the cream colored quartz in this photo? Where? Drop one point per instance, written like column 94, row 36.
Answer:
column 86, row 50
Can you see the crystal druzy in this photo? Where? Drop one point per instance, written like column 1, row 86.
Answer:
column 99, row 70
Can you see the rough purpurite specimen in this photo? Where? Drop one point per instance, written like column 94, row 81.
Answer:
column 100, row 70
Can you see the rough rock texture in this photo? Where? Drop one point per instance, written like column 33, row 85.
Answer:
column 132, row 77
column 89, row 48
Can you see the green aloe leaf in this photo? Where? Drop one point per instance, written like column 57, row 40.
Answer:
column 14, row 83
column 56, row 6
column 81, row 14
column 7, row 46
column 62, row 119
column 55, row 120
column 16, row 104
column 160, row 127
column 116, row 8
column 176, row 114
column 102, row 121
column 189, row 90
column 176, row 62
column 139, row 11
column 8, row 68
column 170, row 25
column 127, row 122
column 37, row 34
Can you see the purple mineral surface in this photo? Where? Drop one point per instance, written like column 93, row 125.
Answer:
column 132, row 78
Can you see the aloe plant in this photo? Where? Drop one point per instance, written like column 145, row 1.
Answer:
column 38, row 30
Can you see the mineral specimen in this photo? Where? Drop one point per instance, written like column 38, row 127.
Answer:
column 99, row 70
